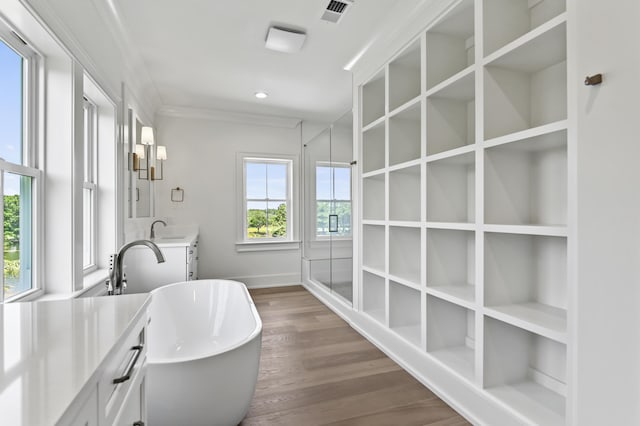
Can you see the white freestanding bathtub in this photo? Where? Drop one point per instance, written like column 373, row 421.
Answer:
column 203, row 353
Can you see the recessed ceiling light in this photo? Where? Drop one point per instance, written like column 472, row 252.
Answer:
column 261, row 95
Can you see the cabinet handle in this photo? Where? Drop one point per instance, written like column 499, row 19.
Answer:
column 130, row 365
column 190, row 251
column 138, row 423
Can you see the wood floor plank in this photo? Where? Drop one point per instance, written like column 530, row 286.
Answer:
column 425, row 412
column 316, row 370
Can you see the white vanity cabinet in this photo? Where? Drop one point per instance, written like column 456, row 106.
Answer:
column 63, row 359
column 118, row 398
column 121, row 387
column 144, row 273
column 88, row 412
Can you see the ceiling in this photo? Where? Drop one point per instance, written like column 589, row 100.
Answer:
column 211, row 55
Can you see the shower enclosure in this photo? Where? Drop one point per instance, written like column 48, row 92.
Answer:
column 328, row 247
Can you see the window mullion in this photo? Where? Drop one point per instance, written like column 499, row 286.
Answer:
column 2, row 281
column 266, row 194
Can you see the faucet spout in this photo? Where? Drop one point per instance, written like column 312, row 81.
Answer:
column 152, row 234
column 117, row 282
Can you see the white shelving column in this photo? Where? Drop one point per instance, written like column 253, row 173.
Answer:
column 451, row 192
column 463, row 146
column 525, row 206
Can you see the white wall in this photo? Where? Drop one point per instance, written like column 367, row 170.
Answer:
column 607, row 271
column 202, row 160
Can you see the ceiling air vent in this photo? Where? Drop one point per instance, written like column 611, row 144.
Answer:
column 335, row 10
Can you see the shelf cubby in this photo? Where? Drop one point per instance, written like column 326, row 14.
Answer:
column 373, row 99
column 373, row 296
column 373, row 238
column 525, row 281
column 450, row 44
column 373, row 148
column 404, row 135
column 451, row 189
column 526, row 181
column 404, row 76
column 405, row 253
column 404, row 194
column 451, row 263
column 526, row 371
column 527, row 87
column 373, row 197
column 404, row 312
column 450, row 116
column 451, row 336
column 508, row 20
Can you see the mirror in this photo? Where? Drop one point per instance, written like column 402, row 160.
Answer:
column 138, row 183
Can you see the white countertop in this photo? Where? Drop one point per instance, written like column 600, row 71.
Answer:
column 172, row 239
column 50, row 351
column 176, row 240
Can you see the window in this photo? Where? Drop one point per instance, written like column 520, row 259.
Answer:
column 89, row 189
column 267, row 199
column 18, row 176
column 333, row 200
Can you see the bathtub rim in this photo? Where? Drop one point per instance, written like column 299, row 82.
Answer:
column 257, row 331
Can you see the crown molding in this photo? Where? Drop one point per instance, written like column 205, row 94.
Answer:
column 228, row 116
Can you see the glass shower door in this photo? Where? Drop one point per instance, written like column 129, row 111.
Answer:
column 318, row 208
column 328, row 245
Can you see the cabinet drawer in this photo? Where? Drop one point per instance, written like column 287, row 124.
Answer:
column 120, row 371
column 134, row 409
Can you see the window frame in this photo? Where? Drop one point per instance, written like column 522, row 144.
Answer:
column 90, row 180
column 331, row 165
column 292, row 240
column 31, row 107
column 261, row 160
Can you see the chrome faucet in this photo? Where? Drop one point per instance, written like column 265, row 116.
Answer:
column 152, row 234
column 117, row 282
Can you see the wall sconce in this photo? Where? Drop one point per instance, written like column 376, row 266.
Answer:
column 161, row 156
column 137, row 156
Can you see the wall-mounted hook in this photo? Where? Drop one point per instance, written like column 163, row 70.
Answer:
column 593, row 80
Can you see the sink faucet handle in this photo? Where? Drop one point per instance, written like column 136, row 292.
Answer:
column 109, row 285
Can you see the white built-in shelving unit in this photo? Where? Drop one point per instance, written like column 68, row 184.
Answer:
column 464, row 181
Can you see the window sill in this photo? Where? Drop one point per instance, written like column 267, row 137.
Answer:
column 246, row 246
column 92, row 281
column 92, row 285
column 27, row 296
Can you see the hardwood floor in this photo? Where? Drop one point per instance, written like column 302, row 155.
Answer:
column 316, row 370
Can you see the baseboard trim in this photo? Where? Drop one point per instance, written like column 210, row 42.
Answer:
column 268, row 281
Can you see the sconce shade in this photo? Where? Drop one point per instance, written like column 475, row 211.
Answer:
column 146, row 136
column 161, row 152
column 140, row 151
